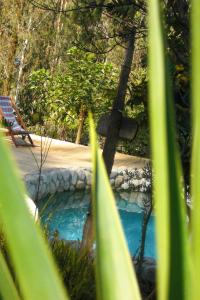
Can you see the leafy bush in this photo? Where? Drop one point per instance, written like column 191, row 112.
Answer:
column 76, row 267
column 83, row 84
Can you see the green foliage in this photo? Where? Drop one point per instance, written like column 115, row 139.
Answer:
column 177, row 29
column 136, row 107
column 7, row 286
column 75, row 265
column 83, row 84
column 114, row 270
column 32, row 263
column 138, row 87
column 140, row 146
column 195, row 243
column 76, row 269
column 40, row 85
column 5, row 123
column 173, row 276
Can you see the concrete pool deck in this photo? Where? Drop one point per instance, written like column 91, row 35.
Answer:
column 63, row 155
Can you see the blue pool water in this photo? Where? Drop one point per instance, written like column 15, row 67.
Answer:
column 66, row 213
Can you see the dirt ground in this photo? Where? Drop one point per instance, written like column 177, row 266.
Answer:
column 62, row 155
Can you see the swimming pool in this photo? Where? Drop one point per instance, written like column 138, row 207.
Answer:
column 66, row 213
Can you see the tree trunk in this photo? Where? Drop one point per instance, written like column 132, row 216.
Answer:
column 22, row 58
column 113, row 132
column 118, row 107
column 10, row 65
column 80, row 125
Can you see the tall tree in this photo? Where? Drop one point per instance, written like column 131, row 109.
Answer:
column 109, row 149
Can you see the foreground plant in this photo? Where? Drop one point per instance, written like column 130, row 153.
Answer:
column 32, row 263
column 114, row 270
column 172, row 239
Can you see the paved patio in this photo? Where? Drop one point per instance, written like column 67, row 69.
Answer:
column 64, row 154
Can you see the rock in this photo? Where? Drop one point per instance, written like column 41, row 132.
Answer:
column 125, row 172
column 80, row 185
column 126, row 177
column 120, row 171
column 148, row 183
column 66, row 175
column 52, row 188
column 89, row 179
column 53, row 180
column 112, row 182
column 135, row 182
column 34, row 179
column 59, row 175
column 74, row 177
column 42, row 190
column 54, row 176
column 32, row 191
column 60, row 189
column 81, row 175
column 143, row 181
column 148, row 270
column 66, row 186
column 149, row 274
column 140, row 173
column 118, row 181
column 113, row 174
column 125, row 186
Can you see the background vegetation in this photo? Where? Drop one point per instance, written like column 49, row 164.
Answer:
column 38, row 67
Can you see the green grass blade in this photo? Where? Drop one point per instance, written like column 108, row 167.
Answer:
column 7, row 287
column 33, row 264
column 170, row 206
column 115, row 274
column 195, row 22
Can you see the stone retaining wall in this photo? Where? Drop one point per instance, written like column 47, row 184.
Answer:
column 59, row 180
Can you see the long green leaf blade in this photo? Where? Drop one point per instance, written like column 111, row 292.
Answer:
column 170, row 206
column 33, row 264
column 115, row 275
column 8, row 290
column 195, row 22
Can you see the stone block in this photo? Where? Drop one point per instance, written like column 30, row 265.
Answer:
column 81, row 175
column 125, row 186
column 74, row 177
column 80, row 185
column 113, row 174
column 66, row 176
column 118, row 181
column 89, row 179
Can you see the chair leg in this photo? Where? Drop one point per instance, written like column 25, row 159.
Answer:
column 13, row 139
column 30, row 140
column 23, row 138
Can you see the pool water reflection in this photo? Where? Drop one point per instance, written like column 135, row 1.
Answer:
column 66, row 212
